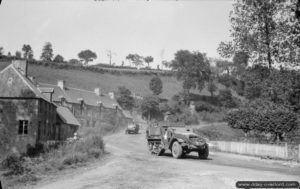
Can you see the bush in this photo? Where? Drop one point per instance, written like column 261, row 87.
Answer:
column 188, row 118
column 264, row 117
column 95, row 152
column 14, row 163
column 203, row 106
column 75, row 158
column 226, row 99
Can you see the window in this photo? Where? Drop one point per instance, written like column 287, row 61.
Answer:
column 23, row 127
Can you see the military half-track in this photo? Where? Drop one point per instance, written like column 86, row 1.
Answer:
column 132, row 128
column 176, row 138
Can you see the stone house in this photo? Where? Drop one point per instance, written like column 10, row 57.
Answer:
column 27, row 116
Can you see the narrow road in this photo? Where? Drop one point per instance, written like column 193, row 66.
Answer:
column 130, row 165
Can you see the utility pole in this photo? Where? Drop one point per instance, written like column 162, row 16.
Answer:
column 110, row 54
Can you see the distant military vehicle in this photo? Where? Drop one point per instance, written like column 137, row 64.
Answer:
column 132, row 128
column 177, row 138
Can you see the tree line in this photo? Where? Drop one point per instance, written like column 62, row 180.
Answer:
column 85, row 56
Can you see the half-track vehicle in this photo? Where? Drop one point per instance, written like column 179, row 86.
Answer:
column 132, row 128
column 177, row 138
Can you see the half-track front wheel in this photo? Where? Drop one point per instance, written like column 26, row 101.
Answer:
column 156, row 148
column 177, row 150
column 203, row 154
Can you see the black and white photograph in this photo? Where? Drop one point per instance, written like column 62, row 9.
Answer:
column 149, row 94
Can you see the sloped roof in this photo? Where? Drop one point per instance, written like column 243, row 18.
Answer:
column 127, row 114
column 73, row 94
column 26, row 81
column 66, row 116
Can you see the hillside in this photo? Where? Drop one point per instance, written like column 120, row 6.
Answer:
column 138, row 84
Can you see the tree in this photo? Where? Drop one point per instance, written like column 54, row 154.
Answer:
column 18, row 55
column 135, row 59
column 148, row 59
column 124, row 98
column 74, row 61
column 150, row 106
column 192, row 68
column 254, row 78
column 225, row 65
column 130, row 58
column 87, row 56
column 166, row 64
column 225, row 97
column 58, row 58
column 1, row 51
column 211, row 87
column 240, row 63
column 27, row 52
column 156, row 85
column 47, row 52
column 258, row 30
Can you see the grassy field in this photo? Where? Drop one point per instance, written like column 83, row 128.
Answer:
column 220, row 131
column 138, row 84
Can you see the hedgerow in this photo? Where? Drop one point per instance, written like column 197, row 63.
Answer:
column 265, row 117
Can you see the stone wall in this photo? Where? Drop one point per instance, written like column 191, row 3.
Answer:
column 11, row 111
column 40, row 115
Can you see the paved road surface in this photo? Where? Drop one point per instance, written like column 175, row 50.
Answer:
column 129, row 165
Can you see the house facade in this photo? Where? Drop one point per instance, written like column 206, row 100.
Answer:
column 27, row 117
column 91, row 108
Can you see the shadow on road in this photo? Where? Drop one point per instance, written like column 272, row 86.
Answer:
column 188, row 156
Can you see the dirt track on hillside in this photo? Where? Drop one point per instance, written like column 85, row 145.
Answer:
column 129, row 165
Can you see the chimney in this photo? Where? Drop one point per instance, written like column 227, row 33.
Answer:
column 111, row 95
column 62, row 100
column 21, row 65
column 61, row 84
column 80, row 100
column 97, row 91
column 99, row 103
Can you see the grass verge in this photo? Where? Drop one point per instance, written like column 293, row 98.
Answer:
column 19, row 169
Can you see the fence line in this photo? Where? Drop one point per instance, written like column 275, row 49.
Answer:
column 253, row 149
column 299, row 153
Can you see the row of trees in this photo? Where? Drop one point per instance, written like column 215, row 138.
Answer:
column 139, row 60
column 84, row 56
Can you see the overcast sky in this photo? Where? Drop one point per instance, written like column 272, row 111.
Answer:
column 158, row 28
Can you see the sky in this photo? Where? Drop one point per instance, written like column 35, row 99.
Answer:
column 156, row 28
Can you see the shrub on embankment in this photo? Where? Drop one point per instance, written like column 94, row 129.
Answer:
column 264, row 120
column 19, row 169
